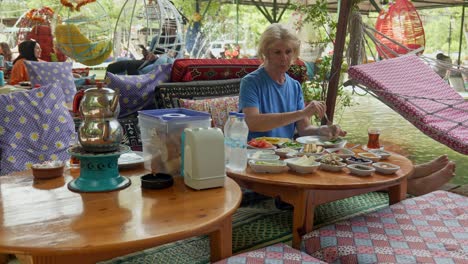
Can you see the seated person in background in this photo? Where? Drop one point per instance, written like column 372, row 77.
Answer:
column 274, row 107
column 442, row 65
column 163, row 49
column 6, row 53
column 28, row 50
column 271, row 100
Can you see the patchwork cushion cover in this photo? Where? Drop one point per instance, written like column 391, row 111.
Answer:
column 410, row 87
column 137, row 92
column 275, row 254
column 44, row 73
column 219, row 107
column 35, row 126
column 432, row 228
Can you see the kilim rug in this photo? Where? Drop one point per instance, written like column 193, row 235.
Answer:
column 257, row 223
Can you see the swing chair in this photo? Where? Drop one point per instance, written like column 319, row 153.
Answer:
column 402, row 24
column 155, row 26
column 36, row 24
column 82, row 31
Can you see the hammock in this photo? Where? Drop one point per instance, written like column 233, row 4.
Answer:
column 411, row 88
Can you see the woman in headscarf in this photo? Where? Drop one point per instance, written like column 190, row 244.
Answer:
column 28, row 50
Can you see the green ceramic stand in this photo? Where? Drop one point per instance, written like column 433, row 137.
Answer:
column 99, row 172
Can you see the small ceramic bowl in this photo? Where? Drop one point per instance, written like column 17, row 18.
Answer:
column 385, row 167
column 48, row 171
column 341, row 152
column 357, row 160
column 382, row 153
column 333, row 168
column 263, row 157
column 369, row 155
column 270, row 166
column 309, row 167
column 360, row 170
column 282, row 152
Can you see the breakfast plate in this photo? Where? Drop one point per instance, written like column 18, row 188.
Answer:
column 274, row 140
column 131, row 159
column 323, row 141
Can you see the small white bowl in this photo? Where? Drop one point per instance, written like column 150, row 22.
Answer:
column 334, row 168
column 270, row 166
column 309, row 167
column 282, row 152
column 358, row 160
column 385, row 167
column 360, row 170
column 341, row 152
column 369, row 155
column 262, row 156
column 382, row 153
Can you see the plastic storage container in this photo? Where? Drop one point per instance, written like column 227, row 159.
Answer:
column 161, row 131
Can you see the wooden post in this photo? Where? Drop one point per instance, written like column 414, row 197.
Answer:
column 345, row 9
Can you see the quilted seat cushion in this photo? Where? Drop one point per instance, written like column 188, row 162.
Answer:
column 275, row 254
column 35, row 126
column 432, row 228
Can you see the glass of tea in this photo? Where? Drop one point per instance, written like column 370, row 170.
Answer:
column 373, row 141
column 74, row 161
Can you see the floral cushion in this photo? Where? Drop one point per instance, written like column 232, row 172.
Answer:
column 43, row 73
column 35, row 126
column 432, row 228
column 219, row 108
column 277, row 254
column 137, row 91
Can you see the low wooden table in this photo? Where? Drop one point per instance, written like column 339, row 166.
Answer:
column 44, row 222
column 306, row 191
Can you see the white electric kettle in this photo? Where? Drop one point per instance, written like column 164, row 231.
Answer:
column 203, row 158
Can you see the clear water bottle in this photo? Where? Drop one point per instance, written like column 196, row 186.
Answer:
column 239, row 134
column 227, row 135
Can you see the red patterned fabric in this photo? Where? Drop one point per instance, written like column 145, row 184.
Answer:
column 218, row 108
column 277, row 254
column 186, row 70
column 432, row 228
column 417, row 93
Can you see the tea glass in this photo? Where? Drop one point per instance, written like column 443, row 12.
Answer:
column 373, row 141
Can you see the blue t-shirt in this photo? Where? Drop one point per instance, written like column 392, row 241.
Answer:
column 258, row 90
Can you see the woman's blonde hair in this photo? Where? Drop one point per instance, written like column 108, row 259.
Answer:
column 275, row 32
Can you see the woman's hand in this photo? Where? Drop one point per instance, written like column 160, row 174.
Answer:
column 332, row 132
column 315, row 108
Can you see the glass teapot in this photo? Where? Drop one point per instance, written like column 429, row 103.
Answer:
column 100, row 131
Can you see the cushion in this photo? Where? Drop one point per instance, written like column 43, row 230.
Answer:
column 278, row 254
column 35, row 126
column 186, row 70
column 219, row 108
column 431, row 228
column 87, row 80
column 137, row 91
column 43, row 73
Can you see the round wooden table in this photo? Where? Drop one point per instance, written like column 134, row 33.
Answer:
column 43, row 221
column 306, row 191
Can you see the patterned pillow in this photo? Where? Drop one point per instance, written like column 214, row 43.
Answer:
column 35, row 126
column 219, row 108
column 43, row 73
column 137, row 91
